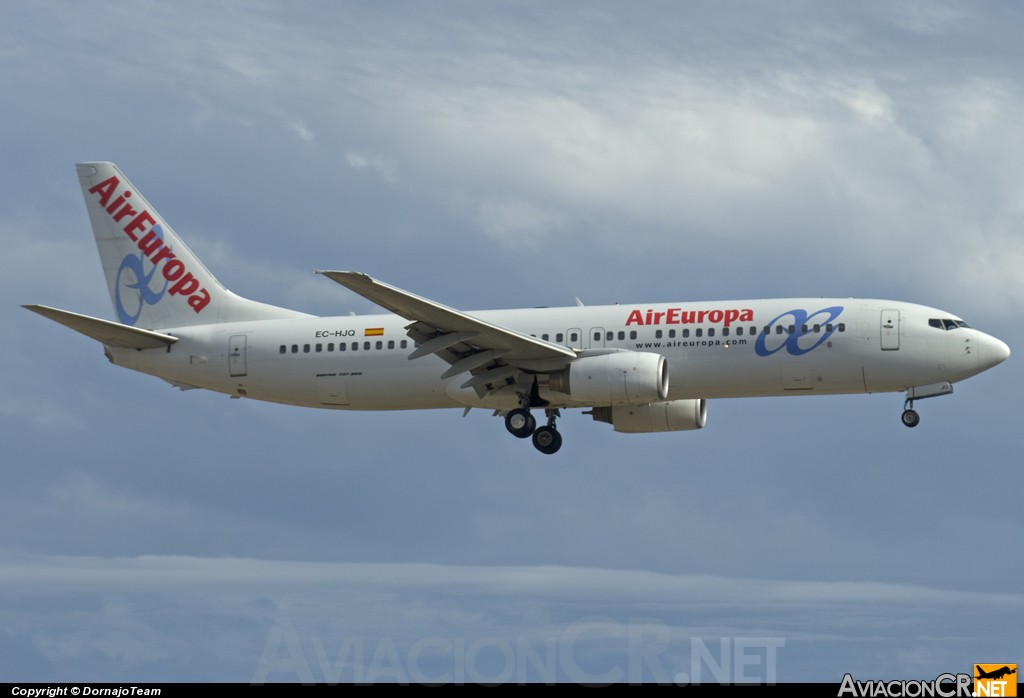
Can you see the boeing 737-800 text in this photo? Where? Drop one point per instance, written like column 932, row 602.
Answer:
column 640, row 368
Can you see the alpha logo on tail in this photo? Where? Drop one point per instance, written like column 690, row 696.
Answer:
column 138, row 283
column 143, row 229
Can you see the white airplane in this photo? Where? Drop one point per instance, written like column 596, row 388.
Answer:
column 640, row 368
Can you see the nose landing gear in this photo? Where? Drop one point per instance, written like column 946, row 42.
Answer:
column 910, row 417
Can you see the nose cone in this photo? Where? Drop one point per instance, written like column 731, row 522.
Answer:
column 993, row 351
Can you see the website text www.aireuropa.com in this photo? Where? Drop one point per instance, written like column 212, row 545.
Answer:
column 672, row 343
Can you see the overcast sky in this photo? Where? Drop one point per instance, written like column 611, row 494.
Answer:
column 502, row 155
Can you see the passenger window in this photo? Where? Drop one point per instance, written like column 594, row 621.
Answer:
column 319, row 348
column 597, row 337
column 778, row 329
column 803, row 328
column 283, row 348
column 725, row 331
column 657, row 334
column 632, row 334
column 686, row 332
column 391, row 344
column 355, row 346
column 380, row 344
column 699, row 332
column 559, row 338
column 842, row 327
column 544, row 336
column 573, row 337
column 330, row 346
column 828, row 327
column 342, row 346
column 739, row 331
column 366, row 346
column 817, row 329
column 711, row 332
column 672, row 334
column 295, row 348
column 404, row 343
column 610, row 336
column 622, row 335
column 305, row 348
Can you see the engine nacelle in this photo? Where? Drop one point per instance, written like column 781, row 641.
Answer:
column 675, row 415
column 622, row 377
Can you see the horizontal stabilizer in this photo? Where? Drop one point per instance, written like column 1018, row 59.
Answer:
column 112, row 334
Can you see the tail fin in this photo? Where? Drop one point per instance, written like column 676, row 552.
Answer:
column 155, row 280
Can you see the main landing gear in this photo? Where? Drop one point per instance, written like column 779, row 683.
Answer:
column 521, row 424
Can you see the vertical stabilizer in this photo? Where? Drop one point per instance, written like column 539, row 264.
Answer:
column 155, row 280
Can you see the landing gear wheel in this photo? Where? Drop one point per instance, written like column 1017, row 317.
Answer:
column 547, row 440
column 910, row 418
column 520, row 423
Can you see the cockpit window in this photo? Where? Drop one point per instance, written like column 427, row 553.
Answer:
column 946, row 323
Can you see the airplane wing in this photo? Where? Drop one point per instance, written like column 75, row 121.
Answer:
column 110, row 333
column 492, row 352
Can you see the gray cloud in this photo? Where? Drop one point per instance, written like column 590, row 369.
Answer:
column 121, row 618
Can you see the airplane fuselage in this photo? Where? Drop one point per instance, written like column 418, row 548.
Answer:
column 713, row 349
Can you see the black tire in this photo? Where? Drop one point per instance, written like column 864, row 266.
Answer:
column 547, row 440
column 520, row 423
column 910, row 418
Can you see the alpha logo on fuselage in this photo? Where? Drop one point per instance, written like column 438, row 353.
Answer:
column 799, row 333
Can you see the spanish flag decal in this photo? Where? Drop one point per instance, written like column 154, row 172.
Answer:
column 373, row 332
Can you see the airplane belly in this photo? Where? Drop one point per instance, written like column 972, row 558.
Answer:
column 747, row 375
column 719, row 375
column 396, row 388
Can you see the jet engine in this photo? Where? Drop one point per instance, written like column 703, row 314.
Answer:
column 622, row 377
column 674, row 415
